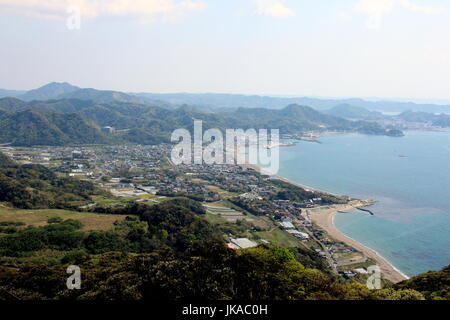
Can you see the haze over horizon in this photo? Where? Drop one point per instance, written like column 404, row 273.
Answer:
column 354, row 48
column 443, row 102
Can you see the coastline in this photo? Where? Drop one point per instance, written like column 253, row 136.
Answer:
column 402, row 275
column 324, row 218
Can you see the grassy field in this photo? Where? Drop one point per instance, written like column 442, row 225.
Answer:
column 110, row 201
column 91, row 221
column 214, row 218
column 348, row 255
column 227, row 204
column 369, row 262
column 222, row 193
column 280, row 238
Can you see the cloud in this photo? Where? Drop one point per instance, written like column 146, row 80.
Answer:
column 375, row 10
column 344, row 16
column 423, row 9
column 273, row 8
column 144, row 10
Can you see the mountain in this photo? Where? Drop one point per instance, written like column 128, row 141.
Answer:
column 10, row 93
column 442, row 120
column 5, row 161
column 213, row 102
column 12, row 104
column 65, row 90
column 439, row 120
column 296, row 118
column 49, row 91
column 33, row 127
column 351, row 112
column 101, row 96
column 411, row 116
column 217, row 101
column 28, row 123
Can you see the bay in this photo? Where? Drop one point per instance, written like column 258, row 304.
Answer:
column 409, row 177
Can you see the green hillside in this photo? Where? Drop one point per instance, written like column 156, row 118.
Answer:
column 36, row 187
column 351, row 112
column 33, row 127
column 74, row 121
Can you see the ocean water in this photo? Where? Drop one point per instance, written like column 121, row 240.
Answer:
column 409, row 177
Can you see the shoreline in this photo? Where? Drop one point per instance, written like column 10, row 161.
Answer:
column 324, row 218
column 405, row 277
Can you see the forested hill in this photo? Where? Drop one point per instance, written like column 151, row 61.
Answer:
column 440, row 120
column 48, row 91
column 5, row 161
column 219, row 101
column 295, row 118
column 75, row 121
column 35, row 127
column 216, row 101
column 351, row 112
column 36, row 187
column 64, row 90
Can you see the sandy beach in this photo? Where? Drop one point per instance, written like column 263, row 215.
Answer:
column 324, row 218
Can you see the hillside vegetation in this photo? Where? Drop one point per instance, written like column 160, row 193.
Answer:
column 77, row 121
column 36, row 187
column 169, row 252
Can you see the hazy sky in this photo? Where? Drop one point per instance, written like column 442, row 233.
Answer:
column 383, row 48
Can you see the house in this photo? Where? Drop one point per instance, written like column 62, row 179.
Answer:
column 108, row 130
column 298, row 234
column 287, row 224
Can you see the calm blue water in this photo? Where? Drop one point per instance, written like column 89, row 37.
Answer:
column 410, row 179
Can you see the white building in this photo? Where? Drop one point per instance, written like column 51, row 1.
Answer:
column 299, row 234
column 244, row 243
column 287, row 225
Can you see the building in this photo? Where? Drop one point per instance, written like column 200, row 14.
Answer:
column 108, row 130
column 298, row 234
column 287, row 225
column 243, row 243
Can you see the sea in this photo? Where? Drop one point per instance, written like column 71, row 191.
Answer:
column 408, row 176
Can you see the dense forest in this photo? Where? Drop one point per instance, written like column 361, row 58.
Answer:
column 439, row 120
column 36, row 127
column 169, row 252
column 36, row 187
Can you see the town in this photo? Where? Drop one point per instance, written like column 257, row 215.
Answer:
column 250, row 208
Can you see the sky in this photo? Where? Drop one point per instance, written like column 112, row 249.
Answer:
column 334, row 48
